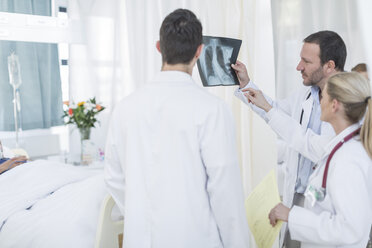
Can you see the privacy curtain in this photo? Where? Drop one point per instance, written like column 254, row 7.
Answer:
column 40, row 91
column 96, row 65
column 365, row 20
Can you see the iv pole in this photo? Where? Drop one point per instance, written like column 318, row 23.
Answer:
column 15, row 81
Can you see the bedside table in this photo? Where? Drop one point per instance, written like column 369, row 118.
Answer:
column 74, row 159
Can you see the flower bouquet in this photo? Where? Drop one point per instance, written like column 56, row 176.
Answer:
column 83, row 115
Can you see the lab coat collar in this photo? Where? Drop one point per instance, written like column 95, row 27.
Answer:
column 339, row 137
column 172, row 76
column 306, row 106
column 315, row 93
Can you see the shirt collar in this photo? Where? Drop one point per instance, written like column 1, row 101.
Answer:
column 315, row 93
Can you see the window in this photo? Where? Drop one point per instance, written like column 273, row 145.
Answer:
column 51, row 30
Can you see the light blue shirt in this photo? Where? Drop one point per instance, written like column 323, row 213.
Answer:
column 305, row 166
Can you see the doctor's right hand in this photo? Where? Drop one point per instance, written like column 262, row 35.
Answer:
column 241, row 72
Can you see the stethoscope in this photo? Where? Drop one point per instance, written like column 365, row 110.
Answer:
column 334, row 150
column 317, row 194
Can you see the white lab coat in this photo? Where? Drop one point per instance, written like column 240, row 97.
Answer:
column 291, row 109
column 172, row 167
column 344, row 217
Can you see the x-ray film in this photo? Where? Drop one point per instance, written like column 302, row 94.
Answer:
column 215, row 61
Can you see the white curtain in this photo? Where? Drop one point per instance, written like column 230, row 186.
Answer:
column 365, row 20
column 95, row 65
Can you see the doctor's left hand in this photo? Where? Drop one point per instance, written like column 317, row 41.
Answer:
column 257, row 98
column 279, row 212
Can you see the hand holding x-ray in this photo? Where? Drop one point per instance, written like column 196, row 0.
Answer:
column 215, row 61
column 242, row 73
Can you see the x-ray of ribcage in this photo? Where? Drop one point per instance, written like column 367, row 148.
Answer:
column 215, row 61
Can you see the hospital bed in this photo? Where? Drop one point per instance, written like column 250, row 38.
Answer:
column 49, row 204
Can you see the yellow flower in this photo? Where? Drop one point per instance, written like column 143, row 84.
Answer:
column 81, row 104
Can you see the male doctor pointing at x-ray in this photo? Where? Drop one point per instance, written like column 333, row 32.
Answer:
column 322, row 55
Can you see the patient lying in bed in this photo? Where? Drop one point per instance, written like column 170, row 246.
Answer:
column 7, row 164
column 8, row 161
column 50, row 204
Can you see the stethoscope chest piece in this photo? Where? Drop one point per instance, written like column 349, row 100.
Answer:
column 314, row 194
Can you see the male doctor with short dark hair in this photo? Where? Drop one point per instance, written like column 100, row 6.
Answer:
column 172, row 164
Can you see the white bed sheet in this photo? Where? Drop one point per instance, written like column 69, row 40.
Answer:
column 48, row 204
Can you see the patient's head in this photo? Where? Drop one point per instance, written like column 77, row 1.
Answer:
column 180, row 37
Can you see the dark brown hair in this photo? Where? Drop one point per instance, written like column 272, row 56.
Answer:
column 332, row 47
column 180, row 36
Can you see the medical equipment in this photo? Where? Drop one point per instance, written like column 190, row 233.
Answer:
column 339, row 144
column 15, row 81
column 315, row 194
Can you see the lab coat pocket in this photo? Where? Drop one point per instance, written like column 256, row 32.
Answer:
column 325, row 205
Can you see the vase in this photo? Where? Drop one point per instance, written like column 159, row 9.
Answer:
column 86, row 146
column 84, row 133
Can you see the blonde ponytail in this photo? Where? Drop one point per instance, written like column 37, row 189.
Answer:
column 366, row 131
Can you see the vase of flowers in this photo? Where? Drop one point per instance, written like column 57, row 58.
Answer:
column 83, row 115
column 84, row 133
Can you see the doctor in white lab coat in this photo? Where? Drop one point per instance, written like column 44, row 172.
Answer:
column 171, row 155
column 338, row 203
column 323, row 54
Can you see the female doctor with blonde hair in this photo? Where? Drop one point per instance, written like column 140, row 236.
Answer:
column 338, row 199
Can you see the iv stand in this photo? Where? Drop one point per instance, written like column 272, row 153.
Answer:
column 15, row 81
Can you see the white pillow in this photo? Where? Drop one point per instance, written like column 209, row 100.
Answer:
column 7, row 152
